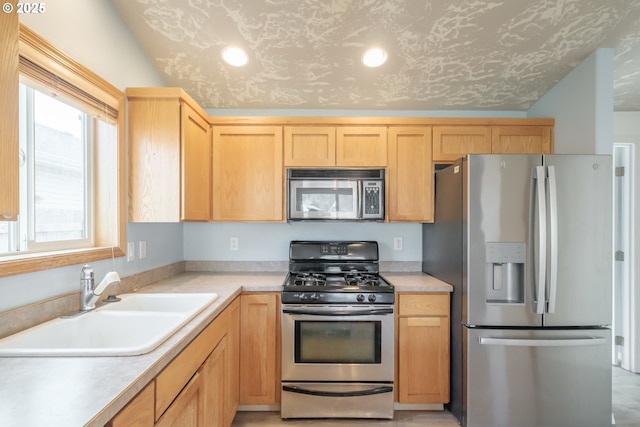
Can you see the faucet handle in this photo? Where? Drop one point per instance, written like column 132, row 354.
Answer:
column 86, row 272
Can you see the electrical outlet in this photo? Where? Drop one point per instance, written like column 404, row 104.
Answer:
column 131, row 251
column 397, row 243
column 142, row 249
column 233, row 244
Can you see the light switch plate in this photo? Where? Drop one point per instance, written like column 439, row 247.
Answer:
column 131, row 251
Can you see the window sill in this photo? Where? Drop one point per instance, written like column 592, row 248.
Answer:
column 12, row 265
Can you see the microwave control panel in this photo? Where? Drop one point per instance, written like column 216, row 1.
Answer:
column 372, row 203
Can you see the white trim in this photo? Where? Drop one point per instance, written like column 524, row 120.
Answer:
column 624, row 305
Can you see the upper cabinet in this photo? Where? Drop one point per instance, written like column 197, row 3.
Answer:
column 363, row 146
column 521, row 139
column 248, row 173
column 9, row 145
column 327, row 146
column 169, row 157
column 410, row 174
column 453, row 142
column 309, row 146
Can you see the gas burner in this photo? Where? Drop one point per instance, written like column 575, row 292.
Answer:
column 310, row 279
column 361, row 279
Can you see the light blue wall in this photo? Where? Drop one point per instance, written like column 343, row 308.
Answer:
column 270, row 242
column 582, row 104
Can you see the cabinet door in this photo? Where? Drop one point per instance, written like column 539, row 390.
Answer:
column 138, row 412
column 154, row 159
column 364, row 146
column 233, row 362
column 423, row 348
column 453, row 142
column 196, row 166
column 309, row 146
column 248, row 171
column 9, row 145
column 188, row 408
column 423, row 361
column 259, row 349
column 410, row 174
column 215, row 379
column 521, row 139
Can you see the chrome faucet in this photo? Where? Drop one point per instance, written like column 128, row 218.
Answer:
column 89, row 293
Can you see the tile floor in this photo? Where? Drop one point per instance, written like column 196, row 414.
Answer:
column 626, row 409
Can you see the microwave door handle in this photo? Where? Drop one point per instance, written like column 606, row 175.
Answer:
column 360, row 199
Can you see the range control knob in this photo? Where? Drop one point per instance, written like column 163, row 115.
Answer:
column 372, row 297
column 360, row 298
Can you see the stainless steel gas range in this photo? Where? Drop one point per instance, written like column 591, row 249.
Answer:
column 337, row 332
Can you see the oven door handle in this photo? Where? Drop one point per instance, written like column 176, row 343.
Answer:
column 335, row 313
column 369, row 392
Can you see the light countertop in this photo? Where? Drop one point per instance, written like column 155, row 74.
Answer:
column 89, row 391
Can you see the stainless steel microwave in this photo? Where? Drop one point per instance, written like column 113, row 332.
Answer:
column 335, row 194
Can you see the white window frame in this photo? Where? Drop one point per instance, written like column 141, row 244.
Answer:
column 23, row 230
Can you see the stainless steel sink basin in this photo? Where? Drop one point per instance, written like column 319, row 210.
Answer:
column 137, row 326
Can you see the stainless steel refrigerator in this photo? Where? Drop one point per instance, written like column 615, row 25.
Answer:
column 526, row 242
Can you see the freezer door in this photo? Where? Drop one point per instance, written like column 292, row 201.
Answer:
column 497, row 283
column 579, row 282
column 538, row 378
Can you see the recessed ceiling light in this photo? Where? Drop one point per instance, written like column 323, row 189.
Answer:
column 234, row 56
column 374, row 57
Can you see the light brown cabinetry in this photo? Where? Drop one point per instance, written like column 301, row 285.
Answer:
column 260, row 349
column 9, row 145
column 326, row 146
column 363, row 146
column 309, row 146
column 138, row 412
column 521, row 139
column 423, row 348
column 188, row 409
column 169, row 157
column 410, row 174
column 199, row 387
column 453, row 142
column 248, row 182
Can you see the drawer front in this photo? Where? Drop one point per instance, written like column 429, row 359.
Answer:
column 423, row 304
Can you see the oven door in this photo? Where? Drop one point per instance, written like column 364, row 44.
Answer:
column 337, row 343
column 323, row 199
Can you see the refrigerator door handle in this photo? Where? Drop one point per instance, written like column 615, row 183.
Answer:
column 525, row 342
column 539, row 202
column 553, row 237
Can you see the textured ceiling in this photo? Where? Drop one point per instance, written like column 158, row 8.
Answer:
column 443, row 55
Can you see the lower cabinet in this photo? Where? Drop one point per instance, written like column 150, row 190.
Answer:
column 189, row 408
column 260, row 349
column 423, row 348
column 198, row 388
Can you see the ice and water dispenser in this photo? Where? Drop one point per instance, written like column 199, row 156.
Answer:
column 505, row 272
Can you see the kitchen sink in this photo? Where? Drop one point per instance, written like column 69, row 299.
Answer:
column 137, row 326
column 173, row 303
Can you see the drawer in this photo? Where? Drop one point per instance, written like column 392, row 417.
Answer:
column 436, row 304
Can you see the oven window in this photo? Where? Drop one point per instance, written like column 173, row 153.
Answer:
column 325, row 200
column 337, row 342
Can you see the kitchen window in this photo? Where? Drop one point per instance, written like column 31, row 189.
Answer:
column 56, row 173
column 71, row 158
